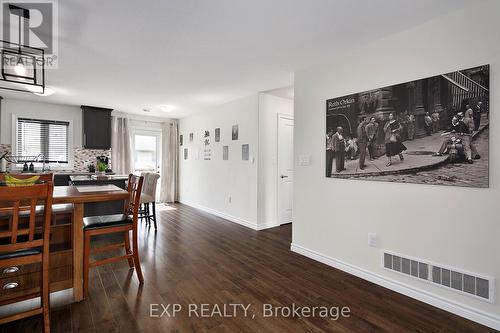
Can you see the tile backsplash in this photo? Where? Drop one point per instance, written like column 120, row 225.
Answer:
column 81, row 156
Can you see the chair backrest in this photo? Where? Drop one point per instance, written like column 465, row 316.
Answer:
column 150, row 182
column 134, row 188
column 20, row 234
column 44, row 177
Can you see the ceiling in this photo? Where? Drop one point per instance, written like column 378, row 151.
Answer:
column 190, row 54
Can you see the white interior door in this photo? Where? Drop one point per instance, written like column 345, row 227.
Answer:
column 147, row 153
column 285, row 169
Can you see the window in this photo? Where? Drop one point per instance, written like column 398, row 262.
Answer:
column 46, row 137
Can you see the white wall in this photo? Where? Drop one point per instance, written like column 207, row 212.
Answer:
column 27, row 109
column 209, row 184
column 454, row 226
column 269, row 108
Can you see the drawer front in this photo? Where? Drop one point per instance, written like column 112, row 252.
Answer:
column 16, row 270
column 29, row 283
column 15, row 284
column 57, row 259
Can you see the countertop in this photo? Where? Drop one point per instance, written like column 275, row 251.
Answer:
column 93, row 177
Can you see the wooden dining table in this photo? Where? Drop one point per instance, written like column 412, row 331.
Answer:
column 78, row 196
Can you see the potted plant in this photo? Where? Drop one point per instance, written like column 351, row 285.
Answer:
column 101, row 168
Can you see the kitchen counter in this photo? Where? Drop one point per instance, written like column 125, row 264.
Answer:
column 101, row 208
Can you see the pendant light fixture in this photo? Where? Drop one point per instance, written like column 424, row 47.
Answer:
column 23, row 66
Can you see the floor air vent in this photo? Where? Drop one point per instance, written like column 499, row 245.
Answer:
column 457, row 280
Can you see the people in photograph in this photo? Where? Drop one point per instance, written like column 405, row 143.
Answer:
column 329, row 152
column 351, row 148
column 339, row 149
column 477, row 115
column 371, row 132
column 362, row 142
column 393, row 145
column 460, row 130
column 468, row 120
column 411, row 126
column 428, row 123
column 435, row 122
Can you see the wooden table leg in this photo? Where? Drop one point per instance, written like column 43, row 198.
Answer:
column 78, row 252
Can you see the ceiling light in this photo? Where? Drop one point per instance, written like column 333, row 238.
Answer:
column 23, row 67
column 167, row 108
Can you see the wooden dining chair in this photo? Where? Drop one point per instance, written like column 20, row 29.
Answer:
column 108, row 224
column 23, row 243
column 59, row 211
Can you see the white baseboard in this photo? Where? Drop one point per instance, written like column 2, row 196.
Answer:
column 228, row 217
column 484, row 318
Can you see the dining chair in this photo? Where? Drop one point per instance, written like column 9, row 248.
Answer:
column 148, row 196
column 117, row 223
column 22, row 242
column 58, row 210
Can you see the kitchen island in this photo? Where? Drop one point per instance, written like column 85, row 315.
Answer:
column 101, row 208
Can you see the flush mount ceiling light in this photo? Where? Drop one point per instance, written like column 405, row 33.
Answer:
column 23, row 67
column 167, row 108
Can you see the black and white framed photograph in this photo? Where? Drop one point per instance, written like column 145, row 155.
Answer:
column 225, row 153
column 429, row 131
column 191, row 137
column 217, row 135
column 181, row 140
column 185, row 153
column 245, row 152
column 234, row 132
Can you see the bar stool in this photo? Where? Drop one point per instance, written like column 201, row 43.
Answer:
column 23, row 243
column 148, row 196
column 108, row 224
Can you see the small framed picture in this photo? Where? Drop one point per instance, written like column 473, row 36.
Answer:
column 245, row 152
column 217, row 135
column 234, row 132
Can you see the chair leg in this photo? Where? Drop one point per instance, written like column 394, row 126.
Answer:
column 137, row 264
column 148, row 213
column 86, row 261
column 127, row 248
column 45, row 299
column 154, row 213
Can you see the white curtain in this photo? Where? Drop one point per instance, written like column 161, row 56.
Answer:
column 121, row 156
column 170, row 162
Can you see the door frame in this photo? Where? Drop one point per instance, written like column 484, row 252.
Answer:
column 147, row 132
column 278, row 173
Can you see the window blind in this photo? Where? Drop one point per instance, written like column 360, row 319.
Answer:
column 46, row 137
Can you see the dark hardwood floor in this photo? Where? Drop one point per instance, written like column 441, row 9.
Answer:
column 197, row 258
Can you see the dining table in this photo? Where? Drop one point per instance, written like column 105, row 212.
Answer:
column 78, row 196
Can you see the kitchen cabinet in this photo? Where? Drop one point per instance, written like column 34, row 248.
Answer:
column 96, row 127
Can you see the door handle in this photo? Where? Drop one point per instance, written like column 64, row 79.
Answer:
column 283, row 176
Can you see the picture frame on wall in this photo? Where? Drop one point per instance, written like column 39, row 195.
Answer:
column 225, row 153
column 428, row 131
column 217, row 135
column 234, row 133
column 245, row 152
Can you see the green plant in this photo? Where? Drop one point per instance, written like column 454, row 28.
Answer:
column 101, row 166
